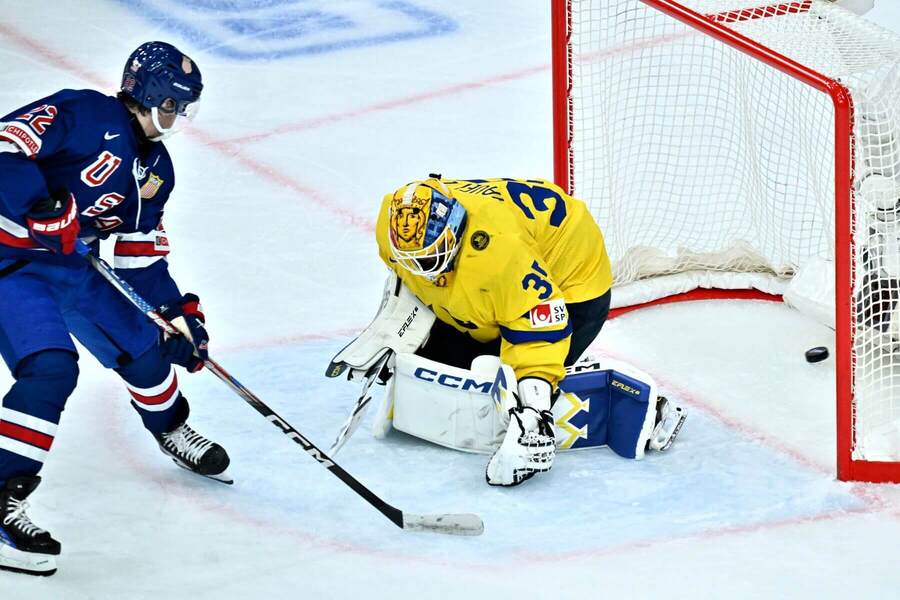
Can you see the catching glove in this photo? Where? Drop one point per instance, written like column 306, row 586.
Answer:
column 529, row 445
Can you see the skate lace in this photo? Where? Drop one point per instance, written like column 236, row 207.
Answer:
column 20, row 520
column 187, row 443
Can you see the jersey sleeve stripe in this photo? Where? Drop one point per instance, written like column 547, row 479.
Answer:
column 16, row 242
column 14, row 235
column 22, row 136
column 135, row 262
column 140, row 249
column 514, row 336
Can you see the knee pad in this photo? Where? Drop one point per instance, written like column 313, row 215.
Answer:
column 146, row 370
column 49, row 375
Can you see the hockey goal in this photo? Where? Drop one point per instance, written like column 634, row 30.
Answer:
column 747, row 148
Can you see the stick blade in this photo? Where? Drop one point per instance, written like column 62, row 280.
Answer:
column 451, row 524
column 351, row 425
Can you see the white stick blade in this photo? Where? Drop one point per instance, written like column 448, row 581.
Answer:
column 350, row 426
column 455, row 524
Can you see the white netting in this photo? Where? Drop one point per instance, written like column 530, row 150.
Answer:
column 700, row 161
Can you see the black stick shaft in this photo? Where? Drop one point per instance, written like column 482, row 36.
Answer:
column 391, row 512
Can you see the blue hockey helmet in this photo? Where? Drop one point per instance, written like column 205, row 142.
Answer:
column 160, row 78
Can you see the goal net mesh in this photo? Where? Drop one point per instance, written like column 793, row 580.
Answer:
column 708, row 167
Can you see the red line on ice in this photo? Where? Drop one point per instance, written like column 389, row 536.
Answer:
column 324, row 120
column 55, row 59
column 231, row 147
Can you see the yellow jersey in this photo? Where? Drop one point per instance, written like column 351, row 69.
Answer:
column 528, row 248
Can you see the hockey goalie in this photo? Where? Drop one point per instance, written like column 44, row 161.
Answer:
column 496, row 289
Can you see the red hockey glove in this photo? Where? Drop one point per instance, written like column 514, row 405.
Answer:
column 53, row 222
column 190, row 349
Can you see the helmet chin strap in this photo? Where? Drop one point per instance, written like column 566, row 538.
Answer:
column 164, row 132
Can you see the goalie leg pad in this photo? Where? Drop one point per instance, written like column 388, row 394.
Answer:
column 609, row 403
column 600, row 404
column 443, row 404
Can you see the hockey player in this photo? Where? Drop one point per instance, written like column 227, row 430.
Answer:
column 80, row 165
column 510, row 268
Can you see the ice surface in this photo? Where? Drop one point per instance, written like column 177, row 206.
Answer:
column 312, row 111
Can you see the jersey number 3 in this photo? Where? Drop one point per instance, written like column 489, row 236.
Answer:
column 538, row 282
column 539, row 196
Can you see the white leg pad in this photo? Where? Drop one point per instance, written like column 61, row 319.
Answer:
column 445, row 405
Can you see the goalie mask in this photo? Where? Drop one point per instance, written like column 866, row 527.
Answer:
column 426, row 225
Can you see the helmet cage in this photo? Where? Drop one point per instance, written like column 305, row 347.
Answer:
column 443, row 230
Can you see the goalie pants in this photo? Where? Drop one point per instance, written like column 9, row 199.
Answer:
column 41, row 305
column 449, row 346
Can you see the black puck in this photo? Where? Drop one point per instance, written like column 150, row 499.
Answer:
column 817, row 354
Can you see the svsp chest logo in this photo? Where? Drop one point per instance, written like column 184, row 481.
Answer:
column 549, row 314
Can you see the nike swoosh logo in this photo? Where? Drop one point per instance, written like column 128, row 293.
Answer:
column 109, row 136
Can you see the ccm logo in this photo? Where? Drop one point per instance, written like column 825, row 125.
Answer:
column 305, row 443
column 452, row 381
column 580, row 368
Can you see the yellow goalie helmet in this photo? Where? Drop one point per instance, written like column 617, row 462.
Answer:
column 426, row 225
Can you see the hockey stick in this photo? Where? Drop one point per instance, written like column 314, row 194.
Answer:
column 359, row 409
column 455, row 524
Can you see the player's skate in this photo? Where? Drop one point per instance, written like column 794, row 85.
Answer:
column 24, row 547
column 669, row 419
column 194, row 452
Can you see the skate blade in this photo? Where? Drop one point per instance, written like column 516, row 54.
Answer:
column 27, row 563
column 672, row 437
column 222, row 477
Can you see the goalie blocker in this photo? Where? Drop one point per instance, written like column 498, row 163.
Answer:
column 401, row 324
column 606, row 403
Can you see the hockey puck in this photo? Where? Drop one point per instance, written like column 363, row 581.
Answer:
column 817, row 354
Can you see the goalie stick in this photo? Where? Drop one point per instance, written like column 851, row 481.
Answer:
column 451, row 523
column 362, row 403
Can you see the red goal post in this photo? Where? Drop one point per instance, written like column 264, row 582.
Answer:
column 740, row 115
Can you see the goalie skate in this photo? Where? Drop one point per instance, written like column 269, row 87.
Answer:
column 669, row 419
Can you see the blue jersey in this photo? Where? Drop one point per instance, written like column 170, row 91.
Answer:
column 86, row 142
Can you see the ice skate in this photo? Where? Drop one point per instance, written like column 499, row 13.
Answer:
column 669, row 419
column 193, row 452
column 24, row 547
